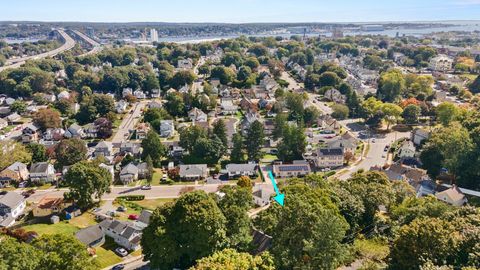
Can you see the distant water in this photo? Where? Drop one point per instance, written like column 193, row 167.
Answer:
column 16, row 41
column 464, row 26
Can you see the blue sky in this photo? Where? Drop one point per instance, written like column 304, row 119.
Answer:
column 238, row 11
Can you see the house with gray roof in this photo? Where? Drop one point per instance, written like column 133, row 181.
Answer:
column 16, row 172
column 3, row 123
column 296, row 169
column 329, row 157
column 193, row 172
column 92, row 236
column 129, row 174
column 12, row 205
column 123, row 233
column 104, row 149
column 237, row 170
column 167, row 128
column 130, row 148
column 75, row 130
column 42, row 172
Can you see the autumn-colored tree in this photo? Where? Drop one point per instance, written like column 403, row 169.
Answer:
column 47, row 118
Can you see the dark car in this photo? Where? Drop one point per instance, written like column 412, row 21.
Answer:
column 118, row 267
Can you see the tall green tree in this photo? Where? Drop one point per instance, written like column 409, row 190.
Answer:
column 293, row 143
column 308, row 230
column 153, row 148
column 87, row 181
column 256, row 139
column 70, row 151
column 237, row 155
column 446, row 113
column 220, row 130
column 18, row 256
column 149, row 176
column 182, row 232
column 411, row 113
column 234, row 206
column 38, row 151
column 232, row 259
column 60, row 251
column 391, row 85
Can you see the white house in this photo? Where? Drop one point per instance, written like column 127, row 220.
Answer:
column 185, row 64
column 441, row 63
column 63, row 95
column 167, row 128
column 129, row 174
column 419, row 135
column 296, row 169
column 12, row 205
column 42, row 172
column 452, row 196
column 262, row 195
column 127, row 92
column 121, row 106
column 193, row 171
column 406, row 150
column 335, row 96
column 237, row 170
column 197, row 115
column 123, row 233
column 329, row 157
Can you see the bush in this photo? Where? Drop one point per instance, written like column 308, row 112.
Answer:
column 132, row 198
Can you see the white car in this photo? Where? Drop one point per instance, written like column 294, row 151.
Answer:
column 121, row 252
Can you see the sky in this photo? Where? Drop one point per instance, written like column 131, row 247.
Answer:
column 238, row 11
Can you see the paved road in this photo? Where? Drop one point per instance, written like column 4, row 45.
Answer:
column 376, row 154
column 157, row 192
column 96, row 47
column 69, row 43
column 129, row 122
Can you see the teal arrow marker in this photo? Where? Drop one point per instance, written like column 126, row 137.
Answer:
column 280, row 198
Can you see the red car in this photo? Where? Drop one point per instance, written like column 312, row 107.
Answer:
column 133, row 217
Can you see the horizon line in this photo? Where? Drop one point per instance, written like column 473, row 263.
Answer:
column 240, row 23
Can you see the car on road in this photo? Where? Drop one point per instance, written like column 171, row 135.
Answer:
column 146, row 187
column 121, row 252
column 373, row 140
column 118, row 267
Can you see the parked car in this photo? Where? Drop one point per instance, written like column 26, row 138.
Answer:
column 122, row 208
column 110, row 213
column 118, row 267
column 121, row 252
column 133, row 217
column 146, row 187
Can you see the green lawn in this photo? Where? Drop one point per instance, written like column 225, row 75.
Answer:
column 374, row 249
column 106, row 255
column 63, row 227
column 157, row 175
column 152, row 204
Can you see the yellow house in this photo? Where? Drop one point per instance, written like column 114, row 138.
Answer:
column 50, row 206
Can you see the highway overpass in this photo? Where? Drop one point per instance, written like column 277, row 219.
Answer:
column 17, row 62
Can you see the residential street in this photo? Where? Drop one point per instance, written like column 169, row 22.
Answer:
column 129, row 122
column 157, row 192
column 376, row 154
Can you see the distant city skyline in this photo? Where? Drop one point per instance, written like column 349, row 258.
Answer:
column 239, row 11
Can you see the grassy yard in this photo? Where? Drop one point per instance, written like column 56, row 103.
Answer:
column 152, row 204
column 63, row 227
column 157, row 175
column 373, row 249
column 106, row 255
